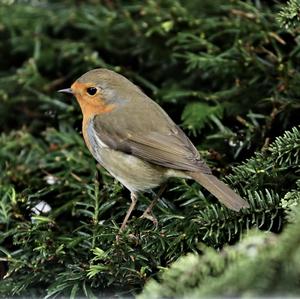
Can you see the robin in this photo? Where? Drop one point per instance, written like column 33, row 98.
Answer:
column 135, row 140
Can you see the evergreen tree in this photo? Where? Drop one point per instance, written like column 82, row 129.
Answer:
column 227, row 71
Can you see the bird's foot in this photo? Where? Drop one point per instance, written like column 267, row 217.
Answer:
column 149, row 215
column 118, row 238
column 130, row 237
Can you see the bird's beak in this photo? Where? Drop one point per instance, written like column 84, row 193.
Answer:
column 66, row 90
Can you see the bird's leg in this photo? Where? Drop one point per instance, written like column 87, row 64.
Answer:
column 133, row 197
column 148, row 214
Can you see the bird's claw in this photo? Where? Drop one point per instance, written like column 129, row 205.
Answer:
column 149, row 215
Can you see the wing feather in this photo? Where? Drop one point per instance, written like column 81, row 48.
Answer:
column 151, row 136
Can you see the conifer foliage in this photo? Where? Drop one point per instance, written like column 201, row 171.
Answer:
column 227, row 72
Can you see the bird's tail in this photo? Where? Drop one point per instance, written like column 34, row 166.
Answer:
column 220, row 190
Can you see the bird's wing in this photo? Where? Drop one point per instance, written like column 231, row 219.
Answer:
column 151, row 136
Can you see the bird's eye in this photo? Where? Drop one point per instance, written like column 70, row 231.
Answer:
column 91, row 90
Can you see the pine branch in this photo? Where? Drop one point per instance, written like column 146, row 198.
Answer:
column 289, row 17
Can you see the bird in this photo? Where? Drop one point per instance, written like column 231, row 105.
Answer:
column 137, row 142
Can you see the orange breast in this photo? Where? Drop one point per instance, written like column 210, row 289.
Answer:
column 90, row 106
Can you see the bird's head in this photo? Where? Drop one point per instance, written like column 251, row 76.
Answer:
column 101, row 90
